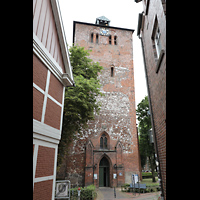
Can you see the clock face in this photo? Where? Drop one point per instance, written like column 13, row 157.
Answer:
column 104, row 31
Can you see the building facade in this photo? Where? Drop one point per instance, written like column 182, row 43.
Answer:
column 107, row 152
column 152, row 32
column 51, row 74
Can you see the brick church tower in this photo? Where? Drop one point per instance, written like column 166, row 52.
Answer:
column 107, row 153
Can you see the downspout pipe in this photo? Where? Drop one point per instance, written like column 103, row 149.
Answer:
column 149, row 98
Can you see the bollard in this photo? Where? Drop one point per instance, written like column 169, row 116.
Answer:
column 114, row 192
column 79, row 193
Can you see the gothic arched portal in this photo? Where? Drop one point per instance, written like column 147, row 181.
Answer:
column 104, row 172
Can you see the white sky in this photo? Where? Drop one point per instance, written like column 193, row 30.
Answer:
column 121, row 13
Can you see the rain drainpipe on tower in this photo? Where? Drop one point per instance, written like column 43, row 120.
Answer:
column 140, row 19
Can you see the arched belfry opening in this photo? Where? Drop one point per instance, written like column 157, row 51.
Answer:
column 104, row 173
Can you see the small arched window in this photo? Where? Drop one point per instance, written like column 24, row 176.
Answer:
column 92, row 36
column 112, row 71
column 115, row 40
column 110, row 39
column 103, row 142
column 97, row 38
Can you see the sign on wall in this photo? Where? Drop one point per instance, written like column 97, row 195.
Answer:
column 114, row 176
column 95, row 176
column 62, row 189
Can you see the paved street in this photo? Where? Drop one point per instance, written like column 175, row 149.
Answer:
column 107, row 193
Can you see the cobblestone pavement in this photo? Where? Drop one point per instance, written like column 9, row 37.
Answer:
column 107, row 193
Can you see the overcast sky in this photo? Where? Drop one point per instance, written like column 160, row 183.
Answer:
column 121, row 13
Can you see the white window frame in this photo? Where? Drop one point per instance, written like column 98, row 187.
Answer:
column 157, row 41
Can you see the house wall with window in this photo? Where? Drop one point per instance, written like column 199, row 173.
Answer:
column 112, row 136
column 152, row 32
column 51, row 74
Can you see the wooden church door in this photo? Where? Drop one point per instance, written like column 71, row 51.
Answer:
column 104, row 173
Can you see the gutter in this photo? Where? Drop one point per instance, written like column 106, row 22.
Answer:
column 68, row 82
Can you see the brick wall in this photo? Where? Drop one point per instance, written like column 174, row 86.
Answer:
column 50, row 62
column 117, row 115
column 43, row 190
column 39, row 72
column 38, row 99
column 157, row 81
column 43, row 170
column 55, row 89
column 45, row 161
column 47, row 90
column 53, row 114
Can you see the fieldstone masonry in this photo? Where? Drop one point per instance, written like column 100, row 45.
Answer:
column 117, row 118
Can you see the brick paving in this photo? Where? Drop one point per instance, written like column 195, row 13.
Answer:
column 107, row 193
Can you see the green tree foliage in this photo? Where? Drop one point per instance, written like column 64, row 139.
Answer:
column 80, row 101
column 145, row 147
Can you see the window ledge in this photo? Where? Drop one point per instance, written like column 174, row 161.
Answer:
column 159, row 60
column 104, row 150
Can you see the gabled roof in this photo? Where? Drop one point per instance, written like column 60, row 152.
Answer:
column 49, row 42
column 89, row 142
column 62, row 39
